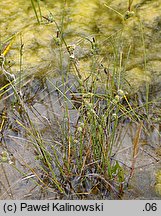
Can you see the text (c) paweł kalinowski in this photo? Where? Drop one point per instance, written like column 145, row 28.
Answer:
column 61, row 207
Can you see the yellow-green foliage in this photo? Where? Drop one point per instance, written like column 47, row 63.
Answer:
column 158, row 182
column 133, row 41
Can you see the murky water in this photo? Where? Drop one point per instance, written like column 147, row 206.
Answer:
column 131, row 46
column 46, row 110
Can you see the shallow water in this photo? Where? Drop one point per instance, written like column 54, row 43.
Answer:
column 46, row 111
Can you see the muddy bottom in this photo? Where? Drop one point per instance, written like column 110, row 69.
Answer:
column 21, row 172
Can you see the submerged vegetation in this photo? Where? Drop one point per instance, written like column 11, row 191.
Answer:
column 73, row 125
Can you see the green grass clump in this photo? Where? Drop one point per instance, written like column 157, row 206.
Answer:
column 82, row 164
